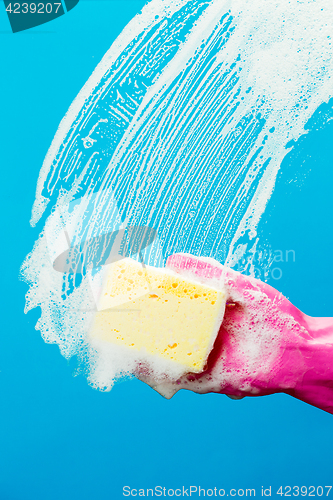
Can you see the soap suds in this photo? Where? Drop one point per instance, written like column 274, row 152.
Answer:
column 181, row 128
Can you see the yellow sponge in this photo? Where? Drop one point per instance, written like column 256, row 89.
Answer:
column 159, row 312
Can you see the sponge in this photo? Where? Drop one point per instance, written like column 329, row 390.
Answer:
column 156, row 311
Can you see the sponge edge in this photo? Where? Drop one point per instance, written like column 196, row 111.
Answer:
column 160, row 315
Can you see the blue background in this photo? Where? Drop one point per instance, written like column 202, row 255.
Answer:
column 59, row 438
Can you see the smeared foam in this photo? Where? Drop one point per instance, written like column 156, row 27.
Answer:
column 182, row 127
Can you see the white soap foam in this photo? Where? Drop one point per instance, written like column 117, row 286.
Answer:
column 195, row 112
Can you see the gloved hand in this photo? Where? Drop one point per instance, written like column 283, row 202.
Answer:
column 265, row 344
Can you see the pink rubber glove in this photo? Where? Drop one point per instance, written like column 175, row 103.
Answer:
column 265, row 344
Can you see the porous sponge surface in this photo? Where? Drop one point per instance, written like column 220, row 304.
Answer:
column 155, row 310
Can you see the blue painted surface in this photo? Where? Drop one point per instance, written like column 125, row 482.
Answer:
column 62, row 439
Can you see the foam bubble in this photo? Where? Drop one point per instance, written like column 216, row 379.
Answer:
column 182, row 127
